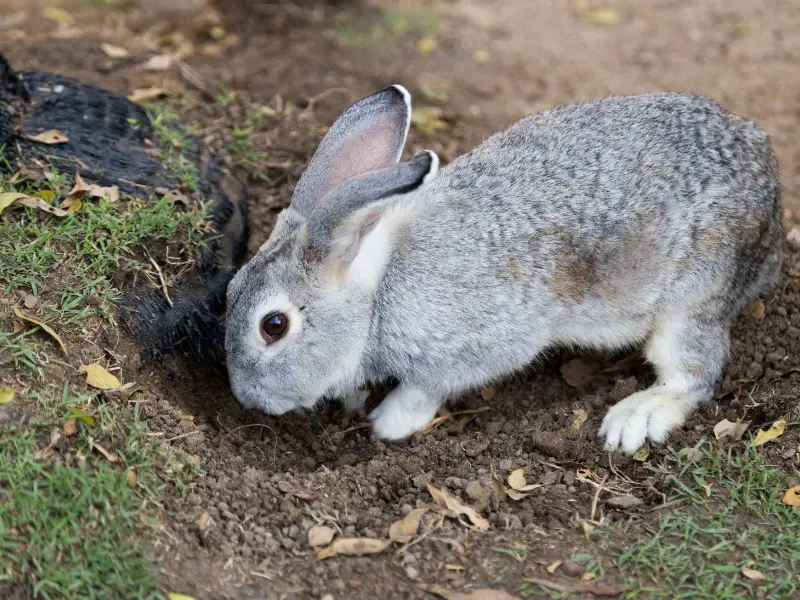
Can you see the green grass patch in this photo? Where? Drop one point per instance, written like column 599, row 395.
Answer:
column 72, row 524
column 724, row 513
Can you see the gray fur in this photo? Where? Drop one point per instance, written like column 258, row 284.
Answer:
column 648, row 219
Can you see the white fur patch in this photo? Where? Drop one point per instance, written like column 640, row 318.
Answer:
column 404, row 411
column 407, row 99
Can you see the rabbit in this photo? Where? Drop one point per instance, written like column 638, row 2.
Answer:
column 651, row 219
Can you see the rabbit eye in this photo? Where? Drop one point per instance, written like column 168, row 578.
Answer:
column 273, row 326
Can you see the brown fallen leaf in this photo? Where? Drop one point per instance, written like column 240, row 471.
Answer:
column 70, row 426
column 581, row 416
column 478, row 594
column 162, row 62
column 50, row 137
column 454, row 505
column 752, row 573
column 498, row 488
column 758, row 309
column 98, row 377
column 9, row 198
column 288, row 488
column 624, row 501
column 44, row 327
column 792, row 496
column 728, row 429
column 319, row 535
column 82, row 189
column 146, row 94
column 579, row 372
column 110, row 456
column 353, row 547
column 112, row 51
column 594, row 587
column 404, row 530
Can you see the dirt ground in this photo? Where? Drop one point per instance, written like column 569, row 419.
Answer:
column 242, row 531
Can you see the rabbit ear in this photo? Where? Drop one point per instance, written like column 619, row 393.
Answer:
column 369, row 135
column 365, row 190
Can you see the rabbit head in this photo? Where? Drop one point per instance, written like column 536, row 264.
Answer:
column 299, row 312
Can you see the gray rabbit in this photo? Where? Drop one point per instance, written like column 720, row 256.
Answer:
column 648, row 219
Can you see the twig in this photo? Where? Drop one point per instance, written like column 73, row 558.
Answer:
column 597, row 497
column 181, row 436
column 162, row 280
column 313, row 101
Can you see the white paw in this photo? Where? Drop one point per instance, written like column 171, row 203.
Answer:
column 403, row 412
column 647, row 415
column 355, row 401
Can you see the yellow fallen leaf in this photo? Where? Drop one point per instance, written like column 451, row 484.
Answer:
column 602, row 16
column 792, row 496
column 57, row 15
column 9, row 198
column 454, row 505
column 776, row 431
column 581, row 416
column 75, row 205
column 46, row 195
column 112, row 51
column 353, row 547
column 131, row 478
column 427, row 45
column 79, row 414
column 488, row 394
column 481, row 56
column 642, row 453
column 6, row 395
column 516, row 479
column 752, row 573
column 70, row 426
column 50, row 137
column 758, row 309
column 145, row 94
column 551, row 568
column 98, row 377
column 174, row 596
column 427, row 120
column 45, row 327
column 186, row 421
column 405, row 529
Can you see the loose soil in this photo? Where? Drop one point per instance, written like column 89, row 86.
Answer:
column 241, row 532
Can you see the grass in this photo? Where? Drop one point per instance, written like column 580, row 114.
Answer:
column 175, row 143
column 72, row 524
column 390, row 25
column 243, row 149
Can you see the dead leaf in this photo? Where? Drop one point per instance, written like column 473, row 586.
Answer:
column 204, row 522
column 727, row 429
column 109, row 194
column 174, row 596
column 581, row 416
column 50, row 137
column 186, row 421
column 551, row 568
column 481, row 56
column 707, row 487
column 70, row 426
column 145, row 94
column 112, row 51
column 58, row 16
column 752, row 573
column 44, row 327
column 477, row 594
column 405, row 529
column 499, row 489
column 587, row 529
column 98, row 377
column 488, row 394
column 30, row 301
column 516, row 479
column 758, row 309
column 792, row 496
column 594, row 587
column 624, row 501
column 9, row 198
column 427, row 45
column 516, row 495
column 288, row 488
column 642, row 453
column 353, row 547
column 319, row 535
column 110, row 456
column 578, row 372
column 776, row 431
column 588, row 576
column 445, row 500
column 6, row 395
column 131, row 478
column 162, row 62
column 602, row 16
column 82, row 189
column 79, row 414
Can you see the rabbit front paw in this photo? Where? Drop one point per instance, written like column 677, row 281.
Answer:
column 647, row 415
column 403, row 411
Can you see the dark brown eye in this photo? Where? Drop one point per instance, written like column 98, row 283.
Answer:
column 274, row 326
